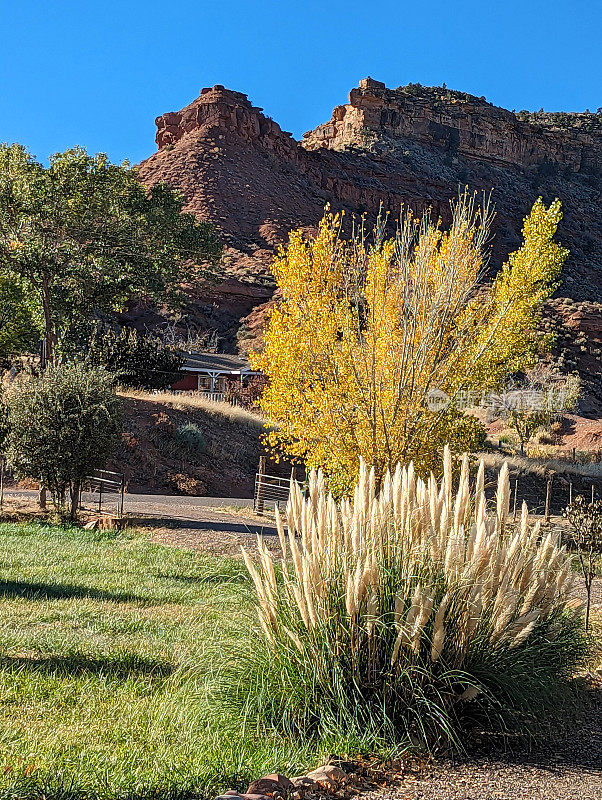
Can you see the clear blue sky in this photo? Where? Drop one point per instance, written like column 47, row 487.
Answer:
column 98, row 73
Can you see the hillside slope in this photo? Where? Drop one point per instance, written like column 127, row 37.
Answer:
column 412, row 145
column 219, row 460
column 238, row 169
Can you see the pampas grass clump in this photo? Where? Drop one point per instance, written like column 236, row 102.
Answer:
column 398, row 616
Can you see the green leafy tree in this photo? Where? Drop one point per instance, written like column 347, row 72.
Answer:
column 19, row 326
column 87, row 236
column 62, row 425
column 135, row 360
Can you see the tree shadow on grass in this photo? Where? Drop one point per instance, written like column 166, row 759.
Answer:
column 218, row 526
column 119, row 666
column 61, row 591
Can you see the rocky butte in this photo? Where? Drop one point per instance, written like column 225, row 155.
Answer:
column 412, row 145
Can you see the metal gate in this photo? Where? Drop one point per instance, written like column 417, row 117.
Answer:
column 271, row 490
column 103, row 482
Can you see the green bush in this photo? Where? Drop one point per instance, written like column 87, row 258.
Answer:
column 403, row 617
column 190, row 437
column 62, row 425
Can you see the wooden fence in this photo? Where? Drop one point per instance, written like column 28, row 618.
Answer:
column 214, row 397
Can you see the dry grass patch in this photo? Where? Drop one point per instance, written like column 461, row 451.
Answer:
column 541, row 467
column 185, row 402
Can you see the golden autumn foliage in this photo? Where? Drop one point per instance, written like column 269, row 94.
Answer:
column 368, row 326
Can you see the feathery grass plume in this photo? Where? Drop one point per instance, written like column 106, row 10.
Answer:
column 411, row 609
column 438, row 634
column 503, row 496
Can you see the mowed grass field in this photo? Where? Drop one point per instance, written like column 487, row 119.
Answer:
column 113, row 652
column 110, row 654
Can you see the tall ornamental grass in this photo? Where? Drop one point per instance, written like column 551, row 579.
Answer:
column 403, row 615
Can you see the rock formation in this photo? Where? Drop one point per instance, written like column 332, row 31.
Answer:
column 460, row 123
column 412, row 145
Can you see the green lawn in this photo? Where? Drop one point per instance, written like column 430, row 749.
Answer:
column 109, row 646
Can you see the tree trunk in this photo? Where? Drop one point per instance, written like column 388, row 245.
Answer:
column 42, row 497
column 74, row 491
column 58, row 499
column 48, row 330
column 588, row 602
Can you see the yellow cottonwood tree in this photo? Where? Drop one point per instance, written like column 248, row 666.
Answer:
column 369, row 326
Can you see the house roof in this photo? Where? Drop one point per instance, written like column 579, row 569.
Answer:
column 215, row 362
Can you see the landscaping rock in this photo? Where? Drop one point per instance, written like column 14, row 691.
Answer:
column 255, row 796
column 271, row 785
column 328, row 779
column 323, row 779
column 230, row 795
column 336, row 773
column 350, row 768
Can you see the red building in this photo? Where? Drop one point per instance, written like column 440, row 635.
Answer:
column 211, row 372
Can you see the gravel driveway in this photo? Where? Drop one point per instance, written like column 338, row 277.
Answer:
column 210, row 529
column 567, row 766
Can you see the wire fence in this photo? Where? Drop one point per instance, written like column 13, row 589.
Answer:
column 545, row 496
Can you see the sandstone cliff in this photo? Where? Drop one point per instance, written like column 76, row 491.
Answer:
column 462, row 124
column 414, row 145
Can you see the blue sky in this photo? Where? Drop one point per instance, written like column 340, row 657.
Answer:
column 97, row 74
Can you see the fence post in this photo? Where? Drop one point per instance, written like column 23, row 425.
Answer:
column 122, row 493
column 593, row 493
column 259, row 486
column 548, row 498
column 570, row 493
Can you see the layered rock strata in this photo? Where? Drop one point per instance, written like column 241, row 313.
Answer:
column 415, row 146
